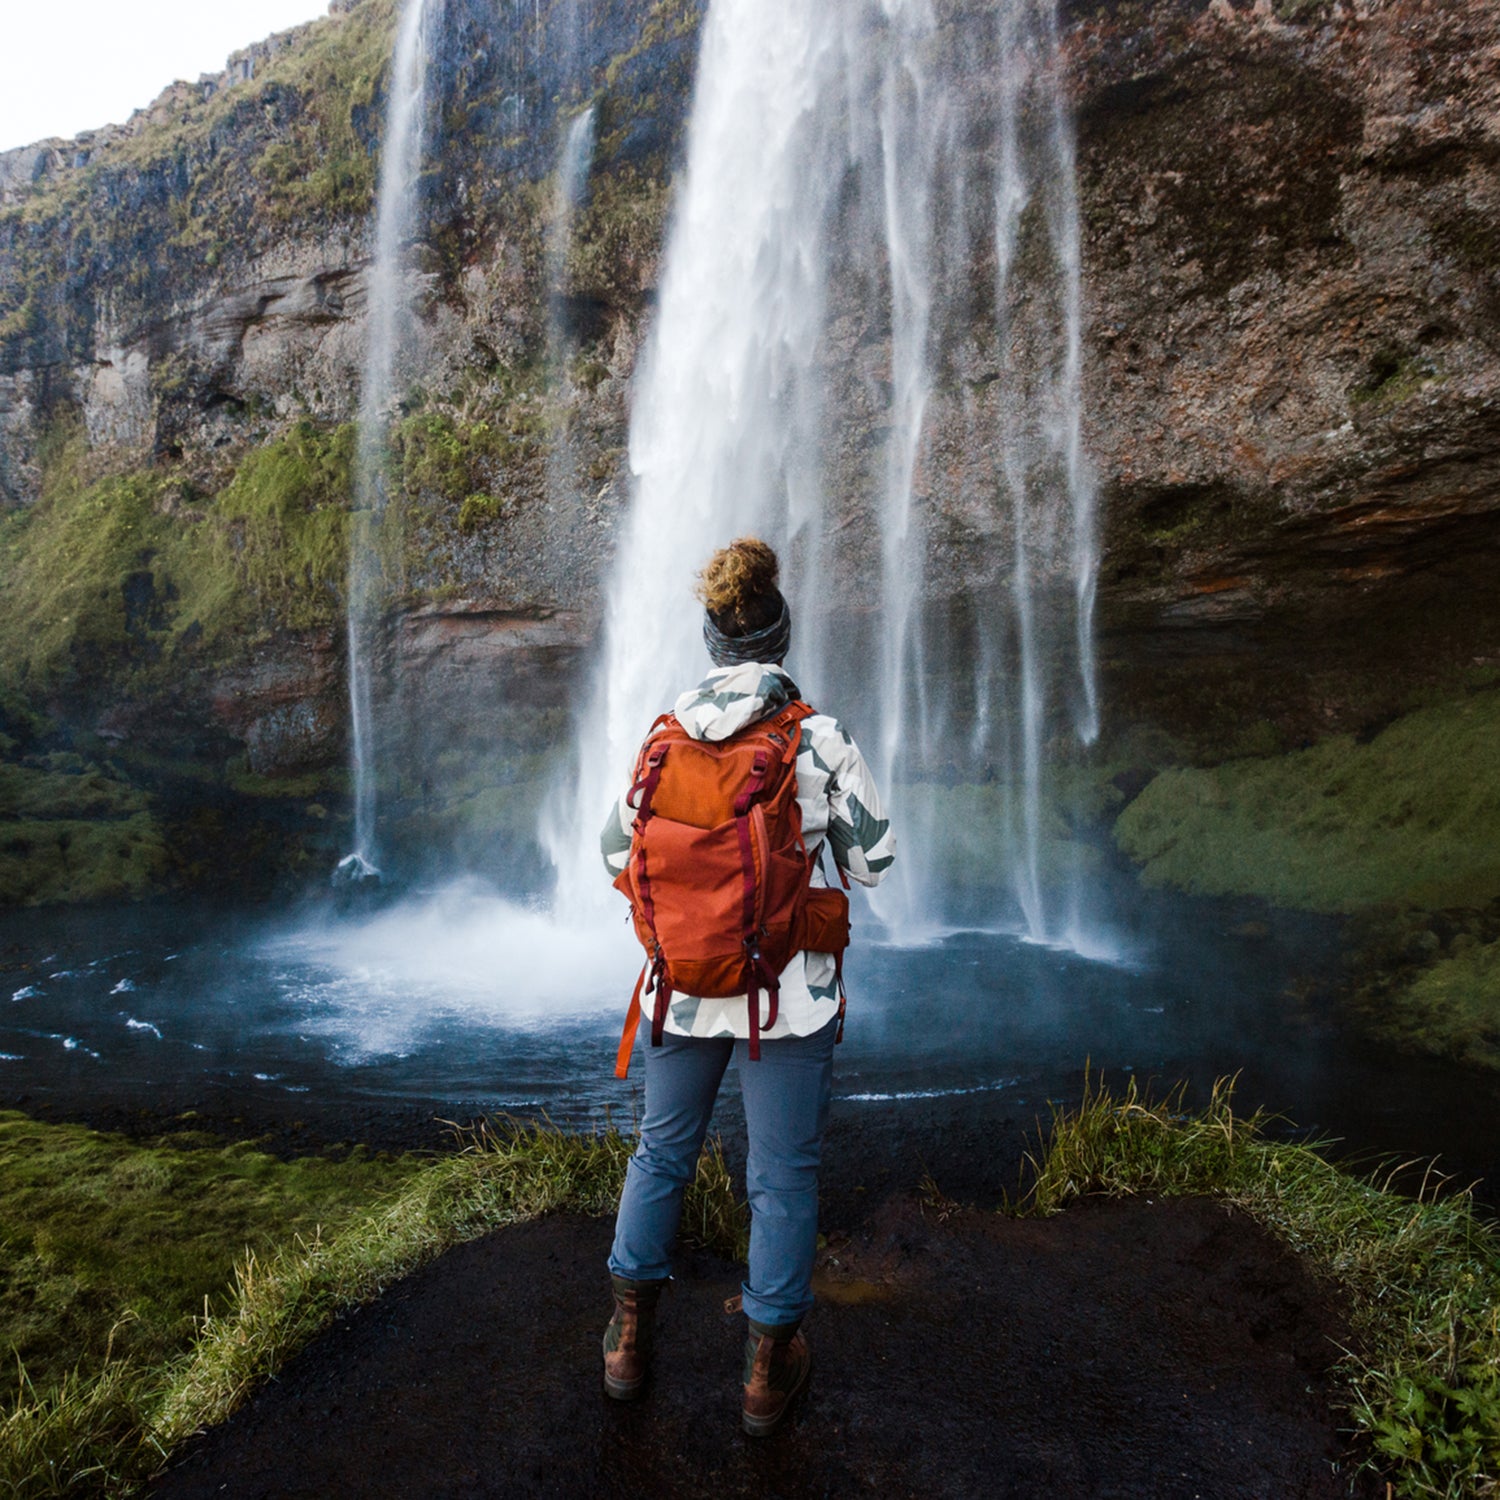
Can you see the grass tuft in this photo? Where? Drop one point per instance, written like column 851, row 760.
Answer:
column 1420, row 1278
column 109, row 1432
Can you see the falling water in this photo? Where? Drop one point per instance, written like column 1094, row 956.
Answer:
column 388, row 325
column 723, row 431
column 827, row 211
column 1044, row 468
column 573, row 164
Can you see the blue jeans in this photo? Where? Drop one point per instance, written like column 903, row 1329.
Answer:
column 786, row 1106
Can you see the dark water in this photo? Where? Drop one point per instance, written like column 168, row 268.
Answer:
column 457, row 1002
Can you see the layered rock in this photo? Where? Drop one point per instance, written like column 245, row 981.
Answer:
column 1295, row 285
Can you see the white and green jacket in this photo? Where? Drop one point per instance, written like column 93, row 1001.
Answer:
column 840, row 807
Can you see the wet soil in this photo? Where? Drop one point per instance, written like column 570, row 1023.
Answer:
column 1156, row 1350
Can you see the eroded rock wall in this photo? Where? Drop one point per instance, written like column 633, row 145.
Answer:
column 1294, row 282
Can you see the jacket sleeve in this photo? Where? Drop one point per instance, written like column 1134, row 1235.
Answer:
column 859, row 833
column 614, row 841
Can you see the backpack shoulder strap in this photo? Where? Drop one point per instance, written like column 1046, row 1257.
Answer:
column 648, row 763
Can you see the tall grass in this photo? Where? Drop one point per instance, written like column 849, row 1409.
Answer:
column 1420, row 1277
column 109, row 1433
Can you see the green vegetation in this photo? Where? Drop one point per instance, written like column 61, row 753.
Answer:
column 1450, row 1009
column 452, row 460
column 1411, row 817
column 618, row 236
column 51, row 860
column 1421, row 1279
column 120, row 576
column 457, row 465
column 116, row 1245
column 319, row 161
column 113, row 589
column 149, row 1232
column 205, row 180
column 280, row 536
column 112, row 1247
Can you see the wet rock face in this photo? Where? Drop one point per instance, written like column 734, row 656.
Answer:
column 287, row 706
column 1295, row 322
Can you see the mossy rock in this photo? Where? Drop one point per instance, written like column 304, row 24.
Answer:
column 1450, row 1010
column 112, row 582
column 52, row 860
column 1411, row 818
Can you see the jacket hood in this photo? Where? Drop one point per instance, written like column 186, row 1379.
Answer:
column 729, row 698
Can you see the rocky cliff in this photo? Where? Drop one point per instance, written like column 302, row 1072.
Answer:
column 1291, row 361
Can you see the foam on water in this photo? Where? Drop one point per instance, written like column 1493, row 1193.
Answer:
column 954, row 1093
column 460, row 953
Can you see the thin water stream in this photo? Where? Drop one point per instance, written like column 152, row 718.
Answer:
column 389, row 292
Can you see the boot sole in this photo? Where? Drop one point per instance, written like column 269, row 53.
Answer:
column 758, row 1427
column 623, row 1390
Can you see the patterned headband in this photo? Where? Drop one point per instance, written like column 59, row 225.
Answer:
column 768, row 645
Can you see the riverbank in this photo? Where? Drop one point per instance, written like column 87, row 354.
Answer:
column 1287, row 1306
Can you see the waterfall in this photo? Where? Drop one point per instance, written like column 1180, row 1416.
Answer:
column 574, row 159
column 723, row 427
column 1044, row 466
column 818, row 289
column 388, row 319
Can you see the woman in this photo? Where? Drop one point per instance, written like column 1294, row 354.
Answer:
column 747, row 629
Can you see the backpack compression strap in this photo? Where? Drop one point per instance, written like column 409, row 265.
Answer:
column 758, row 972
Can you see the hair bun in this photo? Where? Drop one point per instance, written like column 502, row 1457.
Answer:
column 738, row 583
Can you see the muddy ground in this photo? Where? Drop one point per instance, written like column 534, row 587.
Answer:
column 1152, row 1350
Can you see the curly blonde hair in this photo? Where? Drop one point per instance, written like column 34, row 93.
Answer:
column 738, row 586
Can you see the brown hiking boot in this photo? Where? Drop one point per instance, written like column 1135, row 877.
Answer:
column 778, row 1364
column 627, row 1340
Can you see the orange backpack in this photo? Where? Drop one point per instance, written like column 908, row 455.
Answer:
column 718, row 875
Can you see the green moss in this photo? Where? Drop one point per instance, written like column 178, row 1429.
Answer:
column 479, row 511
column 60, row 789
column 280, row 545
column 84, row 582
column 332, row 783
column 446, row 457
column 49, row 860
column 108, row 1240
column 117, row 579
column 1452, row 1009
column 618, row 236
column 1411, row 817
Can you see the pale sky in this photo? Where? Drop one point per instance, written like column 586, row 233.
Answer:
column 72, row 65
